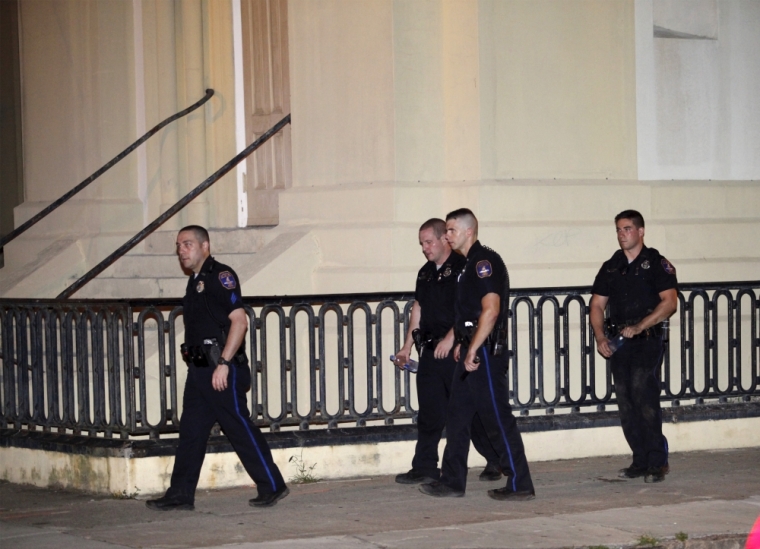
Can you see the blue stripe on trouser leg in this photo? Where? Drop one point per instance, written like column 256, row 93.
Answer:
column 248, row 430
column 498, row 420
column 657, row 379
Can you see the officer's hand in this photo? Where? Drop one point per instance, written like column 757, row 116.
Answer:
column 456, row 352
column 219, row 379
column 630, row 331
column 471, row 361
column 603, row 348
column 402, row 357
column 443, row 348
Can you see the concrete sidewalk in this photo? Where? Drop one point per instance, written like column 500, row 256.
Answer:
column 579, row 503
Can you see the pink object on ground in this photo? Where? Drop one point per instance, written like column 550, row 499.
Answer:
column 753, row 540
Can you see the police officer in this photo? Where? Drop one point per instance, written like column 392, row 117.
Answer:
column 431, row 330
column 640, row 287
column 480, row 384
column 218, row 378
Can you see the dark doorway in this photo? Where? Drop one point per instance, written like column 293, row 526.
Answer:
column 11, row 175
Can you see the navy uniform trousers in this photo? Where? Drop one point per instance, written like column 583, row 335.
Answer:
column 202, row 407
column 434, row 379
column 635, row 371
column 485, row 392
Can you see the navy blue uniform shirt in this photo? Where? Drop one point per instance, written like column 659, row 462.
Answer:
column 436, row 293
column 484, row 272
column 209, row 299
column 634, row 288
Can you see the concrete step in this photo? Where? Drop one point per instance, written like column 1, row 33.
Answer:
column 544, row 243
column 162, row 266
column 127, row 288
column 223, row 241
column 343, row 279
column 541, row 201
column 123, row 214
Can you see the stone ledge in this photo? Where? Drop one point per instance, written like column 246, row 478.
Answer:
column 102, row 447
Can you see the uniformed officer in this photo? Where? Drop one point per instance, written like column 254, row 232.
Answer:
column 431, row 329
column 218, row 378
column 480, row 384
column 640, row 287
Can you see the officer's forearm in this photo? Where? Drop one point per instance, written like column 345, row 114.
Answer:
column 486, row 323
column 596, row 315
column 238, row 328
column 414, row 324
column 665, row 308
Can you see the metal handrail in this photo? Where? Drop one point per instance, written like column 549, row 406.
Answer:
column 110, row 164
column 163, row 218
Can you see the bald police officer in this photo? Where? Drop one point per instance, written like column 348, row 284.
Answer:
column 640, row 287
column 218, row 378
column 480, row 384
column 431, row 328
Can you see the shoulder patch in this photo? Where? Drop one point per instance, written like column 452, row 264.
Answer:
column 484, row 269
column 227, row 280
column 668, row 266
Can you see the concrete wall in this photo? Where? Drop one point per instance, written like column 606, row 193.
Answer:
column 129, row 476
column 697, row 76
column 97, row 75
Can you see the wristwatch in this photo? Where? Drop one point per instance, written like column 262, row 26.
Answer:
column 224, row 361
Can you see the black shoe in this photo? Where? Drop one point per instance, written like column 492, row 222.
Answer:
column 168, row 503
column 267, row 500
column 656, row 474
column 507, row 494
column 414, row 477
column 490, row 473
column 632, row 472
column 440, row 490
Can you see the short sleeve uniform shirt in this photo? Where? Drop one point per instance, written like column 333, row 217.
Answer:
column 484, row 272
column 634, row 288
column 209, row 299
column 436, row 293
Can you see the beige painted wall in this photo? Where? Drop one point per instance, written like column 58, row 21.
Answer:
column 341, row 91
column 558, row 89
column 97, row 75
column 449, row 90
column 77, row 95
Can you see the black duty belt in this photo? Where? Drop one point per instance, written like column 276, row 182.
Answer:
column 208, row 354
column 425, row 340
column 495, row 341
column 613, row 329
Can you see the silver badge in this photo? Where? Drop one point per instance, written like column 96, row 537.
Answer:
column 200, row 286
column 447, row 272
column 645, row 264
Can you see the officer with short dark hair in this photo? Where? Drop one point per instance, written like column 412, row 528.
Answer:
column 480, row 384
column 640, row 287
column 431, row 330
column 218, row 379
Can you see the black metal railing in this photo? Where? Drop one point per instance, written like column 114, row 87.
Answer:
column 101, row 368
column 107, row 166
column 176, row 207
